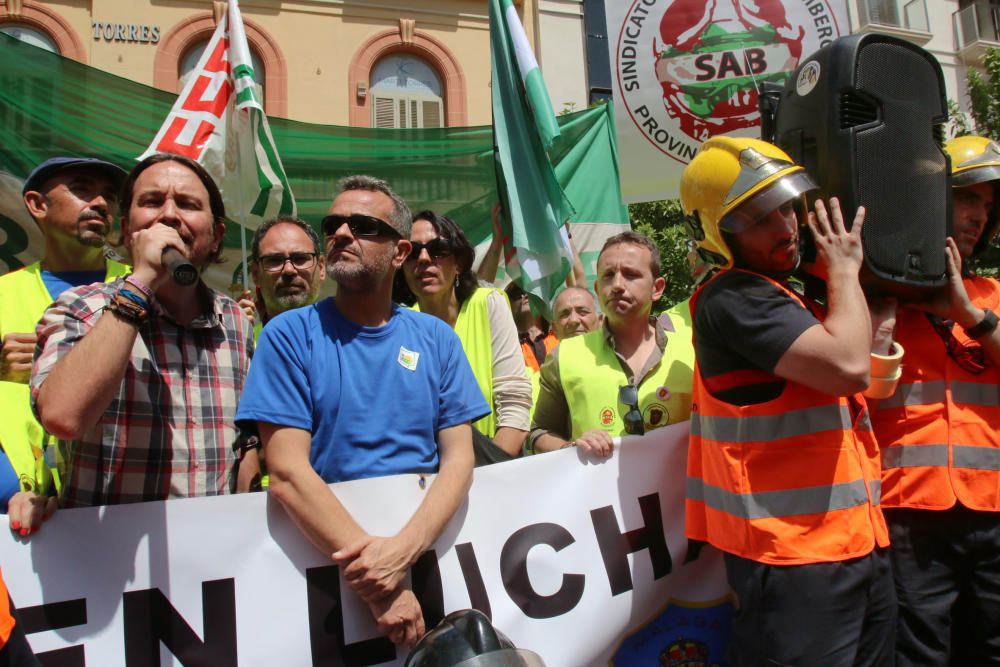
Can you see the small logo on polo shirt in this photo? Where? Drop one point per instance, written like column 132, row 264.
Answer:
column 408, row 358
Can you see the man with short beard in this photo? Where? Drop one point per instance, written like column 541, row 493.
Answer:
column 288, row 270
column 73, row 201
column 286, row 265
column 139, row 378
column 356, row 386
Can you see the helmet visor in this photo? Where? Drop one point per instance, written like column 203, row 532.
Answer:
column 764, row 202
column 975, row 175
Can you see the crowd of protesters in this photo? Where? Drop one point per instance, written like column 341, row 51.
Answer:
column 844, row 453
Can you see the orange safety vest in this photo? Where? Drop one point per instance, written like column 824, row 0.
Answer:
column 7, row 621
column 939, row 431
column 790, row 481
column 550, row 341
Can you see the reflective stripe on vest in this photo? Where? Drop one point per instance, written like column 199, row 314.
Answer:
column 774, row 504
column 791, row 424
column 590, row 374
column 939, row 432
column 23, row 300
column 794, row 480
column 916, row 393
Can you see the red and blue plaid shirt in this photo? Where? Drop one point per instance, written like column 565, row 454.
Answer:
column 168, row 431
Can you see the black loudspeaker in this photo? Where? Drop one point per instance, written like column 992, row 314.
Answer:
column 865, row 116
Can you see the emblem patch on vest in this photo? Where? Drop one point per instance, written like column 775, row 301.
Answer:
column 656, row 414
column 663, row 393
column 408, row 358
column 607, row 417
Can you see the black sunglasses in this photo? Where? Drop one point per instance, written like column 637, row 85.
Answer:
column 969, row 355
column 629, row 397
column 360, row 225
column 436, row 248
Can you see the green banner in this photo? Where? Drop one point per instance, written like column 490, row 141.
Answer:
column 50, row 105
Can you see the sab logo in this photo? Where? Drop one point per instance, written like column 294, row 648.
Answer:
column 689, row 69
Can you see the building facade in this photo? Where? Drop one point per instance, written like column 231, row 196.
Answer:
column 403, row 63
column 363, row 63
column 956, row 32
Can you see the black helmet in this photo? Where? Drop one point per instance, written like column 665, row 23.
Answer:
column 466, row 638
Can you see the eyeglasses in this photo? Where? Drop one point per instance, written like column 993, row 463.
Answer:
column 970, row 356
column 436, row 249
column 629, row 397
column 276, row 263
column 360, row 225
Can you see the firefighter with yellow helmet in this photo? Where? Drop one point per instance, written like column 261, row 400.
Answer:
column 940, row 441
column 783, row 469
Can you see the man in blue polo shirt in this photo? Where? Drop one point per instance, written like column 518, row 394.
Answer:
column 355, row 386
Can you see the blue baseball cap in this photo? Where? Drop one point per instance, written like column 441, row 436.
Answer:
column 54, row 165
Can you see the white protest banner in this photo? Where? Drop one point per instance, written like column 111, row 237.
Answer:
column 585, row 563
column 685, row 70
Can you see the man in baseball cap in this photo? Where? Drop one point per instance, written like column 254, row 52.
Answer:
column 73, row 200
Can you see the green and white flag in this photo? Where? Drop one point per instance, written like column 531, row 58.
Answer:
column 536, row 93
column 537, row 251
column 219, row 121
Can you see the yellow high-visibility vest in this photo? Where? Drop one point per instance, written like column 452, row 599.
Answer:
column 23, row 300
column 591, row 375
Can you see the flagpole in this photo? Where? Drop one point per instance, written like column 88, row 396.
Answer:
column 239, row 198
column 237, row 117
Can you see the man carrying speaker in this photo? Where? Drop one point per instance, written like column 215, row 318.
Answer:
column 139, row 378
column 783, row 469
column 940, row 441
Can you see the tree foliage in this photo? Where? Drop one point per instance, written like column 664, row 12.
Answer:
column 663, row 222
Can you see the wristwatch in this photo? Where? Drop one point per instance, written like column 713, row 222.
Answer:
column 985, row 326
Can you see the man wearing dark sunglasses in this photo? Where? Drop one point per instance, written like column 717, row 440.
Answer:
column 940, row 440
column 631, row 375
column 356, row 386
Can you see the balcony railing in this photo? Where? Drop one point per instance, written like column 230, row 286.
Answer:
column 977, row 25
column 905, row 15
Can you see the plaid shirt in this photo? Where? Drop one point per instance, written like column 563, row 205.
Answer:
column 168, row 431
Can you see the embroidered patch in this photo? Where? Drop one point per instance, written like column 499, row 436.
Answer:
column 408, row 358
column 663, row 393
column 607, row 417
column 656, row 415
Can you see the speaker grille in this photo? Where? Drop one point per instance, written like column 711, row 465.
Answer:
column 901, row 169
column 855, row 110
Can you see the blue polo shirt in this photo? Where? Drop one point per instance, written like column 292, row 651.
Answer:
column 373, row 398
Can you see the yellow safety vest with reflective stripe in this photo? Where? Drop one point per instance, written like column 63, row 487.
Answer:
column 591, row 374
column 473, row 329
column 790, row 481
column 940, row 431
column 23, row 300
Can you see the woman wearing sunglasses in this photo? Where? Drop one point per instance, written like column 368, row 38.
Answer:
column 438, row 276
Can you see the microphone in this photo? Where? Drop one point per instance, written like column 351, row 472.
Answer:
column 180, row 268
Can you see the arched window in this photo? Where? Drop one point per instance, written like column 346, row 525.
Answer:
column 405, row 92
column 190, row 60
column 30, row 35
